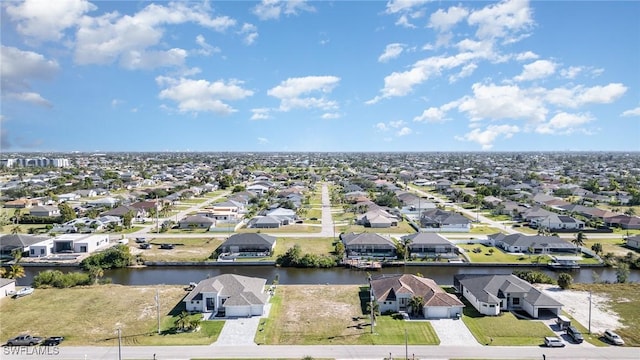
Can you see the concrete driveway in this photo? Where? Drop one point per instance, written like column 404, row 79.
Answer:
column 241, row 331
column 453, row 332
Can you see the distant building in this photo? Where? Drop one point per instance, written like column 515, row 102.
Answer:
column 38, row 162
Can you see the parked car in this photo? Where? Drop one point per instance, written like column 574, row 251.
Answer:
column 53, row 341
column 24, row 340
column 563, row 322
column 613, row 338
column 553, row 341
column 141, row 240
column 575, row 334
column 166, row 246
column 145, row 246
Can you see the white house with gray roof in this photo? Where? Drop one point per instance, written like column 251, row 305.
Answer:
column 229, row 295
column 491, row 294
column 518, row 243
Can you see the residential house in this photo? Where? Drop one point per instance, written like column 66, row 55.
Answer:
column 433, row 220
column 491, row 294
column 623, row 221
column 68, row 197
column 443, row 185
column 148, row 206
column 634, row 242
column 229, row 295
column 377, row 218
column 106, row 202
column 365, row 245
column 555, row 222
column 7, row 287
column 248, row 245
column 535, row 213
column 258, row 188
column 44, row 211
column 79, row 243
column 21, row 203
column 17, row 242
column 285, row 216
column 264, row 222
column 394, row 293
column 424, row 244
column 122, row 210
column 197, row 222
column 86, row 193
column 519, row 243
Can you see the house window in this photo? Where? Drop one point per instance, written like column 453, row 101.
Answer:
column 33, row 252
column 492, row 306
column 516, row 301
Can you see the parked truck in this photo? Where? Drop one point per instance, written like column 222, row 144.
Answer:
column 24, row 340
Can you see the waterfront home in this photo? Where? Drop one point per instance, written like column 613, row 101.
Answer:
column 228, row 295
column 491, row 294
column 366, row 245
column 394, row 293
column 433, row 220
column 519, row 243
column 79, row 243
column 634, row 242
column 424, row 244
column 248, row 245
column 17, row 242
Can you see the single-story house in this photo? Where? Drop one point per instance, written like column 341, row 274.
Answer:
column 394, row 293
column 441, row 220
column 249, row 244
column 7, row 286
column 368, row 245
column 44, row 211
column 634, row 242
column 229, row 295
column 491, row 294
column 197, row 221
column 623, row 221
column 286, row 216
column 429, row 244
column 17, row 242
column 264, row 222
column 120, row 211
column 68, row 197
column 557, row 222
column 79, row 243
column 377, row 218
column 519, row 243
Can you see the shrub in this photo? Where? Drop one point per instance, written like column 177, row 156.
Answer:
column 565, row 280
column 58, row 279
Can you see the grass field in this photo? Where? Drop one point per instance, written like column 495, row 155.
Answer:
column 402, row 228
column 625, row 301
column 305, row 315
column 186, row 249
column 615, row 246
column 296, row 228
column 498, row 256
column 318, row 246
column 91, row 316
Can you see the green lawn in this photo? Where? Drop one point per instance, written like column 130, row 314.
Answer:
column 186, row 249
column 91, row 316
column 402, row 228
column 193, row 201
column 318, row 246
column 297, row 228
column 504, row 329
column 498, row 256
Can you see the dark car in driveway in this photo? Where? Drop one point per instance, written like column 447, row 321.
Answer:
column 575, row 334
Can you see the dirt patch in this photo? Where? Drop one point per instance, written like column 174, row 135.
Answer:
column 576, row 304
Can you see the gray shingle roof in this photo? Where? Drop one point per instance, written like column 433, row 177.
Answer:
column 492, row 288
column 240, row 290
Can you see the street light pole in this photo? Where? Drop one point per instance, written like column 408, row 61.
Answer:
column 119, row 346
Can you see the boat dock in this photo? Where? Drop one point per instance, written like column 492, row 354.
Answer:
column 362, row 264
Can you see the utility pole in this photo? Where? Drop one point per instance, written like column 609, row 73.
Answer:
column 158, row 309
column 119, row 346
column 589, row 312
column 371, row 303
column 406, row 345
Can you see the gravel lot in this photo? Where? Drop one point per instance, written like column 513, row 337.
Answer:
column 576, row 304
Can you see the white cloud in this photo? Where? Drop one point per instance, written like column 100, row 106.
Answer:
column 505, row 19
column 291, row 91
column 134, row 59
column 250, row 33
column 537, row 70
column 30, row 97
column 201, row 95
column 381, row 126
column 404, row 131
column 392, row 51
column 262, row 140
column 206, row 48
column 331, row 115
column 431, row 115
column 487, row 137
column 443, row 20
column 396, row 123
column 111, row 37
column 47, row 20
column 116, row 102
column 272, row 9
column 503, row 102
column 571, row 72
column 632, row 112
column 527, row 55
column 579, row 95
column 396, row 6
column 466, row 71
column 19, row 68
column 403, row 21
column 563, row 123
column 260, row 114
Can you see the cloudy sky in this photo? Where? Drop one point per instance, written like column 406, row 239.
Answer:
column 299, row 75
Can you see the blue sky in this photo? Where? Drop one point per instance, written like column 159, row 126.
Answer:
column 413, row 75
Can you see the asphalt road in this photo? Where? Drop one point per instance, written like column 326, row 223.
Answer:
column 328, row 351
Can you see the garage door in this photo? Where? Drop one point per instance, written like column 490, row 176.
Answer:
column 437, row 312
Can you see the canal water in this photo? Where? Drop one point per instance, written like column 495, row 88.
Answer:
column 182, row 275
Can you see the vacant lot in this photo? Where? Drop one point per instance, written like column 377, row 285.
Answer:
column 333, row 314
column 186, row 249
column 91, row 316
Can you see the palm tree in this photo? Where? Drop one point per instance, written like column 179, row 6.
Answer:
column 579, row 240
column 183, row 321
column 15, row 272
column 96, row 272
column 597, row 248
column 406, row 243
column 416, row 303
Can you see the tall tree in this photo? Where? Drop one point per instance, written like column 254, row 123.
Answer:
column 127, row 219
column 416, row 303
column 578, row 240
column 66, row 212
